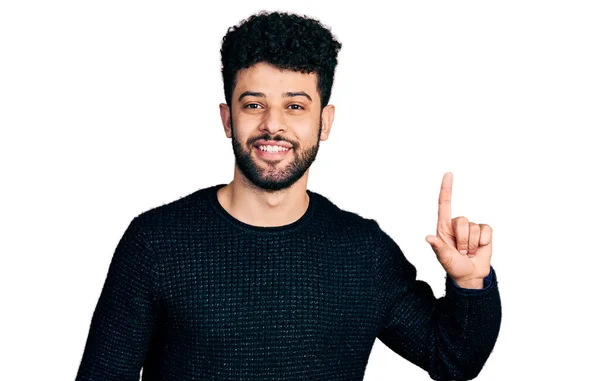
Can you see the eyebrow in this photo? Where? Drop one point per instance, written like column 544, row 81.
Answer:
column 288, row 94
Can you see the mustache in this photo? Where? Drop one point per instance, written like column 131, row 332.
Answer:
column 271, row 138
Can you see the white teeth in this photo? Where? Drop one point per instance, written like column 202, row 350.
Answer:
column 273, row 148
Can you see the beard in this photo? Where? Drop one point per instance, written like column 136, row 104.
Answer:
column 273, row 176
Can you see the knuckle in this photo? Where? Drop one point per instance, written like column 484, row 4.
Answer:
column 487, row 229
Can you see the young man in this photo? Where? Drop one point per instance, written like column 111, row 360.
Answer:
column 263, row 279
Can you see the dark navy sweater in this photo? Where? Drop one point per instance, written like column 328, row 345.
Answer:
column 192, row 293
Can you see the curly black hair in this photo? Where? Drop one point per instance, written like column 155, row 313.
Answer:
column 287, row 41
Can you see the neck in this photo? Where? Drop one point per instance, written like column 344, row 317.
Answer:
column 257, row 207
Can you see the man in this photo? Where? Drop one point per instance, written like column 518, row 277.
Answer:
column 263, row 279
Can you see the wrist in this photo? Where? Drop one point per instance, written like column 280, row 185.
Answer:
column 476, row 284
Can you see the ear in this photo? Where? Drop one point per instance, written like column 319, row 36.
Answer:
column 226, row 118
column 327, row 116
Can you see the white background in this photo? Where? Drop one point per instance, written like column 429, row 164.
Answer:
column 110, row 108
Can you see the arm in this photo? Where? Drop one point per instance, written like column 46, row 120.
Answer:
column 450, row 337
column 123, row 321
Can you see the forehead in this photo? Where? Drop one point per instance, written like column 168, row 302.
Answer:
column 273, row 81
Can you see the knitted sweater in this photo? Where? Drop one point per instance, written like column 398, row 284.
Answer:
column 192, row 293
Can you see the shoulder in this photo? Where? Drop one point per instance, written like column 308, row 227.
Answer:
column 338, row 218
column 180, row 213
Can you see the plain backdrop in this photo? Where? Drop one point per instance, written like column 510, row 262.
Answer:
column 108, row 109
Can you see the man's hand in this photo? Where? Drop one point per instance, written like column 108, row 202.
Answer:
column 463, row 248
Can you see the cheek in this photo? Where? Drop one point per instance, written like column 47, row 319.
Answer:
column 310, row 134
column 307, row 129
column 242, row 129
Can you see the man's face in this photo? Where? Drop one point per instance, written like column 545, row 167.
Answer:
column 272, row 108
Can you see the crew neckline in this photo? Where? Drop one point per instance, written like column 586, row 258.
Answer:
column 224, row 214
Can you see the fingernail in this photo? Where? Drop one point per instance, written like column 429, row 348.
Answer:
column 463, row 252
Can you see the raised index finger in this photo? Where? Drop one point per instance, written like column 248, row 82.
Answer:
column 444, row 212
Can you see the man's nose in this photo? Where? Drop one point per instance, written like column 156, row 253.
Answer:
column 274, row 121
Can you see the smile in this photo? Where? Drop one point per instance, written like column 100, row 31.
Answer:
column 271, row 152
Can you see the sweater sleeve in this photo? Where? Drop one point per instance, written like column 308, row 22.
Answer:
column 487, row 283
column 123, row 321
column 450, row 337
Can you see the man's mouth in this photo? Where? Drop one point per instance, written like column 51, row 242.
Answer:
column 271, row 152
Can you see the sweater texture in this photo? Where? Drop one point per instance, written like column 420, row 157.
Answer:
column 192, row 293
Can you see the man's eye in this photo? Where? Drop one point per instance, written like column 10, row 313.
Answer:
column 252, row 105
column 296, row 107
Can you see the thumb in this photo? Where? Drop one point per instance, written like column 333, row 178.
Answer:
column 432, row 240
column 439, row 248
